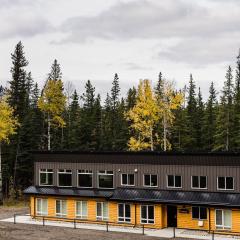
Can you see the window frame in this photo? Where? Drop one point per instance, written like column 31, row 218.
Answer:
column 106, row 174
column 58, row 214
column 174, row 181
column 84, row 173
column 46, row 172
column 225, row 189
column 38, row 213
column 147, row 219
column 199, row 177
column 101, row 218
column 65, row 172
column 222, row 227
column 124, row 213
column 81, row 216
column 128, row 185
column 199, row 214
column 150, row 180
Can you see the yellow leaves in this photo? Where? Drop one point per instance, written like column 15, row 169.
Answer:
column 53, row 101
column 8, row 123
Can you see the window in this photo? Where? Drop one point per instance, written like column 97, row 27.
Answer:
column 85, row 178
column 150, row 180
column 223, row 219
column 174, row 181
column 147, row 214
column 46, row 177
column 105, row 179
column 102, row 211
column 127, row 179
column 42, row 207
column 225, row 183
column 199, row 182
column 64, row 178
column 199, row 213
column 81, row 209
column 61, row 208
column 124, row 212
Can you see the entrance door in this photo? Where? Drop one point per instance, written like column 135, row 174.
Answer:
column 171, row 216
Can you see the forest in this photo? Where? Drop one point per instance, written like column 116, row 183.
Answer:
column 151, row 117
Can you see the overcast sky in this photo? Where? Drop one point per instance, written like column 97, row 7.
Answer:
column 93, row 39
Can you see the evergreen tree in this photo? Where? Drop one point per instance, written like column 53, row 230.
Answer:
column 224, row 132
column 210, row 118
column 131, row 98
column 55, row 73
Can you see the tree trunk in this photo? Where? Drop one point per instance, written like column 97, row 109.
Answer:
column 1, row 192
column 49, row 134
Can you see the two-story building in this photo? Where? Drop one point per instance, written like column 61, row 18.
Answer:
column 184, row 190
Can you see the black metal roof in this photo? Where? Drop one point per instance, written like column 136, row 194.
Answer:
column 145, row 195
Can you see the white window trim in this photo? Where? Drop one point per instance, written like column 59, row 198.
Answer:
column 225, row 189
column 39, row 177
column 147, row 219
column 81, row 216
column 107, row 174
column 222, row 227
column 41, row 213
column 174, row 181
column 101, row 218
column 200, row 219
column 63, row 173
column 84, row 174
column 130, row 185
column 199, row 182
column 58, row 214
column 150, row 180
column 124, row 217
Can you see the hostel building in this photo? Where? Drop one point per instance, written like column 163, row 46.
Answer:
column 159, row 190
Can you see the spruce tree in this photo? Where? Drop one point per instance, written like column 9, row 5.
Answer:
column 210, row 118
column 131, row 98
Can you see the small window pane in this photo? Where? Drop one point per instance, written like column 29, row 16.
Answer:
column 147, row 180
column 131, row 179
column 195, row 212
column 105, row 181
column 219, row 217
column 124, row 179
column 65, row 179
column 85, row 180
column 127, row 210
column 203, row 213
column 170, row 181
column 151, row 212
column 120, row 210
column 221, row 182
column 144, row 212
column 195, row 182
column 227, row 218
column 153, row 180
column 178, row 181
column 203, row 182
column 229, row 183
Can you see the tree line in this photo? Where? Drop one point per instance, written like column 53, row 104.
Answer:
column 150, row 117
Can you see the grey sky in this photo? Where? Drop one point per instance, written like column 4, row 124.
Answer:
column 136, row 38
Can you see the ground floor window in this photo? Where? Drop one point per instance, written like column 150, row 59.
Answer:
column 81, row 209
column 42, row 206
column 199, row 213
column 223, row 219
column 102, row 211
column 61, row 208
column 147, row 214
column 124, row 212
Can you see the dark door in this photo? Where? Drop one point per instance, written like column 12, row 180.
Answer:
column 171, row 216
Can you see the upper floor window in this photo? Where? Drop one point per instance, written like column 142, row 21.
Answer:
column 85, row 178
column 64, row 178
column 174, row 181
column 225, row 183
column 124, row 212
column 147, row 214
column 42, row 206
column 61, row 208
column 46, row 177
column 81, row 209
column 150, row 180
column 199, row 182
column 105, row 179
column 199, row 213
column 127, row 179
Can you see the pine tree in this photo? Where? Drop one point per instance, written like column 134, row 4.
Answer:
column 55, row 73
column 224, row 132
column 210, row 118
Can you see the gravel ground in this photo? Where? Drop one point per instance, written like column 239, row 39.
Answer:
column 10, row 231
